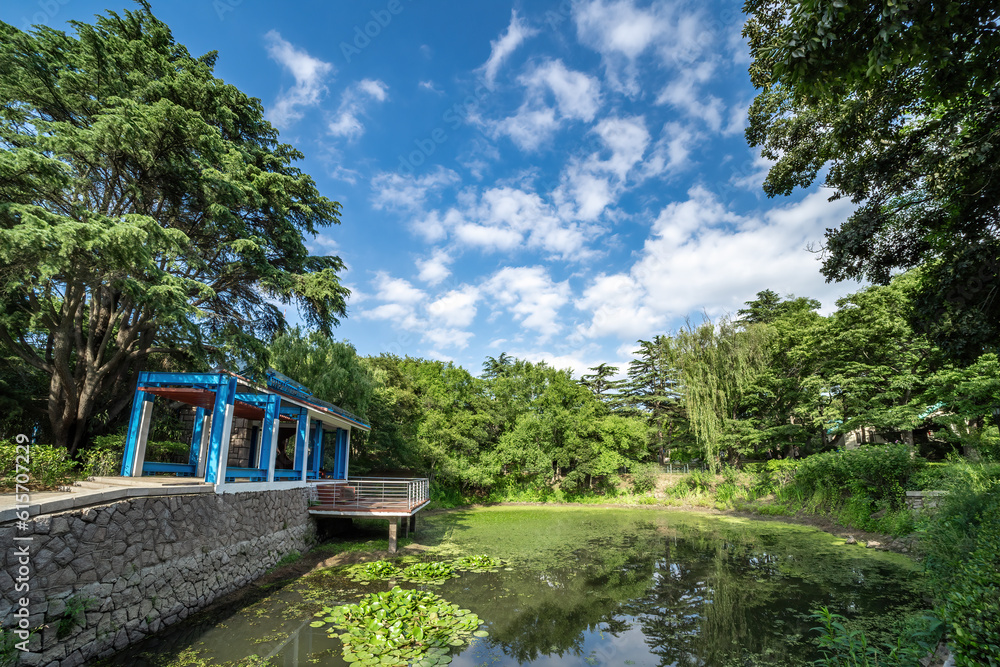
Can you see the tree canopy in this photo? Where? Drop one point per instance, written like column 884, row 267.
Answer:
column 146, row 207
column 898, row 103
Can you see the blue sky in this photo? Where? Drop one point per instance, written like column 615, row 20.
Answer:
column 553, row 180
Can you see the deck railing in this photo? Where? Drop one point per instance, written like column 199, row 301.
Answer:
column 372, row 494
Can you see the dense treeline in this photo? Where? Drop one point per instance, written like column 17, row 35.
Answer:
column 776, row 380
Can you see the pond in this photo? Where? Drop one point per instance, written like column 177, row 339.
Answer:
column 593, row 586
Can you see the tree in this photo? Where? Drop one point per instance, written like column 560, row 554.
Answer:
column 145, row 207
column 876, row 362
column 898, row 103
column 600, row 382
column 331, row 369
column 718, row 363
column 652, row 391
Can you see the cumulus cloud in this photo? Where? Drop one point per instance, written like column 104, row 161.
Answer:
column 456, row 308
column 434, row 269
column 531, row 296
column 701, row 255
column 622, row 32
column 588, row 186
column 353, row 101
column 410, row 192
column 309, row 74
column 553, row 95
column 506, row 44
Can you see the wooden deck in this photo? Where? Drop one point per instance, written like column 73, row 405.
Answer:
column 369, row 497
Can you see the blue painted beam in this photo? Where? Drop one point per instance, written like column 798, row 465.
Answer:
column 134, row 424
column 180, row 469
column 224, row 398
column 188, row 379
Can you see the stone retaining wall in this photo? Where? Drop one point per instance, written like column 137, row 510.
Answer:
column 921, row 500
column 141, row 564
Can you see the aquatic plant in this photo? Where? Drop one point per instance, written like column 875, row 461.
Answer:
column 433, row 572
column 364, row 573
column 480, row 563
column 400, row 627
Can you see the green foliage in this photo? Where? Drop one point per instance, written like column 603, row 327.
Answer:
column 376, row 570
column 478, row 563
column 895, row 104
column 188, row 223
column 844, row 647
column 73, row 615
column 400, row 627
column 48, row 467
column 879, row 473
column 644, row 477
column 972, row 604
column 430, row 572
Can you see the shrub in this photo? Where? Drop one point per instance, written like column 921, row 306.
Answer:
column 49, row 466
column 972, row 606
column 879, row 473
column 644, row 477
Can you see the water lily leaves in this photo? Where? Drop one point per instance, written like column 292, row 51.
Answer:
column 400, row 627
column 317, row 624
column 480, row 633
column 480, row 563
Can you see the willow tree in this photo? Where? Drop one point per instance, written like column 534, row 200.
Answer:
column 146, row 207
column 717, row 362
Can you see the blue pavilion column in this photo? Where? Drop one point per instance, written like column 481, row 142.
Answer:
column 138, row 430
column 269, row 435
column 222, row 423
column 301, row 438
column 196, row 437
column 317, row 448
column 341, row 451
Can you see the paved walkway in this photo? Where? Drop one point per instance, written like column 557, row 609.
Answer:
column 97, row 491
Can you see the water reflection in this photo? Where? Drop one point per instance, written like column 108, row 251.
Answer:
column 600, row 587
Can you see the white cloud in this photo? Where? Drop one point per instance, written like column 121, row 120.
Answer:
column 531, row 296
column 501, row 48
column 396, row 290
column 353, row 100
column 444, row 337
column 406, row 192
column 429, row 85
column 309, row 74
column 434, row 269
column 615, row 304
column 577, row 95
column 622, row 32
column 456, row 308
column 701, row 255
column 589, row 186
column 528, row 128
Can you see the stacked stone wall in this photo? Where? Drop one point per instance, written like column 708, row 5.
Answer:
column 141, row 564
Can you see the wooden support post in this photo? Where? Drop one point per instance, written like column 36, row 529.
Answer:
column 406, row 527
column 413, row 524
column 393, row 527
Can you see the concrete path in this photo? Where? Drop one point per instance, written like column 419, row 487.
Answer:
column 97, row 491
